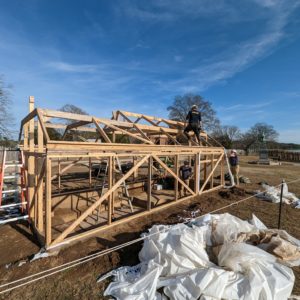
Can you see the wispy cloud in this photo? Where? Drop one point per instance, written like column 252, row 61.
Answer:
column 72, row 68
column 245, row 107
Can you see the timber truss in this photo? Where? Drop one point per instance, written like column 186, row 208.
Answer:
column 81, row 169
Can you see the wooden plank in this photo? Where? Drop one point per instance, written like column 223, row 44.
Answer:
column 67, row 145
column 142, row 133
column 31, row 164
column 110, row 185
column 212, row 166
column 173, row 174
column 40, row 208
column 102, row 132
column 42, row 123
column 98, row 202
column 149, row 182
column 197, row 172
column 222, row 171
column 30, row 116
column 176, row 166
column 48, row 217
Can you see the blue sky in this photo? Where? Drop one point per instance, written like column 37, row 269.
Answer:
column 243, row 56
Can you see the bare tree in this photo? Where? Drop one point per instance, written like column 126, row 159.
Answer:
column 254, row 134
column 6, row 118
column 182, row 104
column 226, row 135
column 70, row 108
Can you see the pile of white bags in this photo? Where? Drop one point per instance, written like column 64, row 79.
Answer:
column 211, row 258
column 272, row 194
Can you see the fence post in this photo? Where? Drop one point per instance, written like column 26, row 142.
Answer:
column 280, row 204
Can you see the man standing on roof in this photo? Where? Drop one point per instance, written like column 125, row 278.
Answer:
column 194, row 123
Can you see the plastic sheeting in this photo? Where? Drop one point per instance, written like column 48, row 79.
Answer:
column 211, row 258
column 272, row 194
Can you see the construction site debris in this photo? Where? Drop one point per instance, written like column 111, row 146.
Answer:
column 272, row 194
column 176, row 262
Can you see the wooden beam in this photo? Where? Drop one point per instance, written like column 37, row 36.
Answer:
column 197, row 172
column 40, row 164
column 98, row 202
column 48, row 216
column 176, row 166
column 149, row 183
column 110, row 185
column 102, row 132
column 142, row 133
column 31, row 164
column 170, row 137
column 42, row 123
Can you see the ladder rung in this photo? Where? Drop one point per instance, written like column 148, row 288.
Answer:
column 14, row 219
column 11, row 205
column 11, row 176
column 13, row 165
column 12, row 191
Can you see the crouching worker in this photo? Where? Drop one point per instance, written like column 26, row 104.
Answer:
column 194, row 123
column 185, row 173
column 234, row 166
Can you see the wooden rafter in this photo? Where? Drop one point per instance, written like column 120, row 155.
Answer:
column 102, row 132
column 124, row 131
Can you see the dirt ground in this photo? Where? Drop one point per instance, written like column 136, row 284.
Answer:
column 17, row 244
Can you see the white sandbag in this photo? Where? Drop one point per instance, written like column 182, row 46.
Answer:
column 272, row 194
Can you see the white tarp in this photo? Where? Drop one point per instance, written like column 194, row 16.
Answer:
column 272, row 194
column 211, row 258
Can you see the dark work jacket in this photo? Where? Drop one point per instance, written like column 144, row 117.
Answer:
column 233, row 160
column 194, row 117
column 185, row 172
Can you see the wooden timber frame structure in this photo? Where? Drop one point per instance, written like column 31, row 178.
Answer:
column 47, row 160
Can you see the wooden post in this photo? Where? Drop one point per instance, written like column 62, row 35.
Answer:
column 59, row 177
column 40, row 195
column 222, row 172
column 135, row 174
column 110, row 184
column 197, row 173
column 31, row 163
column 211, row 169
column 149, row 182
column 113, row 176
column 176, row 166
column 90, row 171
column 205, row 168
column 48, row 202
